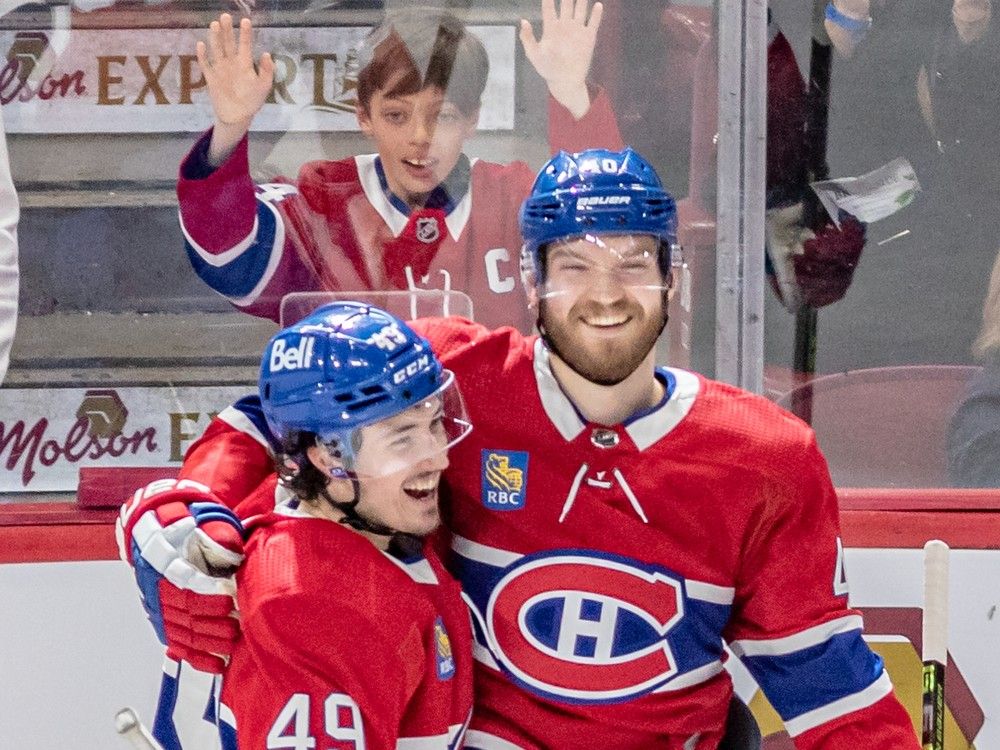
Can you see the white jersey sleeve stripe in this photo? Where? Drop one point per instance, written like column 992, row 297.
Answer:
column 797, row 641
column 709, row 592
column 467, row 548
column 476, row 740
column 241, row 422
column 278, row 249
column 841, row 707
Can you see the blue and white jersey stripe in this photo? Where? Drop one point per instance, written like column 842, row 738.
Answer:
column 243, row 271
column 817, row 674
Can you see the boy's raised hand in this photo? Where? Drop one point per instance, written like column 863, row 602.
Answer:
column 237, row 89
column 563, row 54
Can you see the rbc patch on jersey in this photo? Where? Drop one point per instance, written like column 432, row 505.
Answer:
column 442, row 643
column 505, row 479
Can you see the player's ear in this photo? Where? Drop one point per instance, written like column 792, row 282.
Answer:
column 364, row 119
column 471, row 124
column 322, row 459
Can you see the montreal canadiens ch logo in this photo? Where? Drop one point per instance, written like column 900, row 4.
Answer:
column 585, row 628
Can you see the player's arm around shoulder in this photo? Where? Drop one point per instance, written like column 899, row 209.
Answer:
column 183, row 540
column 791, row 625
column 452, row 337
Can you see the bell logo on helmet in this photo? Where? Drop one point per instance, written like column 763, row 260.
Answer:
column 418, row 365
column 284, row 357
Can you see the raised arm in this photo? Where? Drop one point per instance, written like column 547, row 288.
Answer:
column 563, row 54
column 237, row 88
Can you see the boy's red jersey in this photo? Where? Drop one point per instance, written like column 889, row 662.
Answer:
column 344, row 646
column 339, row 228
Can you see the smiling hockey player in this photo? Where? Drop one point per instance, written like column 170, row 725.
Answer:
column 614, row 523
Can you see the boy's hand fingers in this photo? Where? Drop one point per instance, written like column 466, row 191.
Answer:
column 265, row 71
column 246, row 40
column 595, row 17
column 227, row 36
column 201, row 52
column 548, row 13
column 528, row 41
column 215, row 41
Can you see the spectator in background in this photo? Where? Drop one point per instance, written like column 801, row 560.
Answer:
column 419, row 213
column 918, row 79
column 974, row 436
column 9, row 213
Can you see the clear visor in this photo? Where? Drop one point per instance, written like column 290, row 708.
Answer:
column 604, row 264
column 415, row 439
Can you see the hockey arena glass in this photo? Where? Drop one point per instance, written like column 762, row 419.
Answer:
column 403, row 441
column 604, row 265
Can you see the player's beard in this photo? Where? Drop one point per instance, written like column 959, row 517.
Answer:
column 609, row 361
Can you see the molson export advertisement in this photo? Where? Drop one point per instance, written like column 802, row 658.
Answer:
column 148, row 81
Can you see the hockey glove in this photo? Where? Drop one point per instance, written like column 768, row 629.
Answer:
column 808, row 268
column 184, row 547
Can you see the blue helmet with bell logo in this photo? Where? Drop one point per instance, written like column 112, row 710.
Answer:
column 345, row 366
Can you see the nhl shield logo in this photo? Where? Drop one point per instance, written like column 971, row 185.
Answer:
column 428, row 230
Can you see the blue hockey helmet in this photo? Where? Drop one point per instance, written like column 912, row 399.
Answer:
column 596, row 191
column 346, row 366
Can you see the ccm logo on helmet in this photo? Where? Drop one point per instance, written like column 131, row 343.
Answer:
column 603, row 200
column 284, row 357
column 411, row 369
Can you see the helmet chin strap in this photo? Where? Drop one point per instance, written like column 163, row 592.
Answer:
column 350, row 510
column 401, row 544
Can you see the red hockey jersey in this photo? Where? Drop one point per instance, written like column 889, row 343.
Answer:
column 607, row 566
column 344, row 646
column 338, row 228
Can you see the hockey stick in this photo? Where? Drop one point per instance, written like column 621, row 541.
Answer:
column 935, row 643
column 817, row 111
column 131, row 728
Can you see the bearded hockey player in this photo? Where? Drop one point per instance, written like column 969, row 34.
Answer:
column 614, row 523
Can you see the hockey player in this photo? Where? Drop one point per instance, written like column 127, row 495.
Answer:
column 418, row 213
column 614, row 523
column 350, row 632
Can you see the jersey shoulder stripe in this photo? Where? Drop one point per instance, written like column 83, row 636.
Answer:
column 247, row 416
column 243, row 271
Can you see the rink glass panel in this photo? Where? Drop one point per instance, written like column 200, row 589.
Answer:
column 122, row 353
column 895, row 358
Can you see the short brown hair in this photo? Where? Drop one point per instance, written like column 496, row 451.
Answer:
column 417, row 48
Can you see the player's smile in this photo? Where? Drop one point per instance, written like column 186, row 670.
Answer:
column 423, row 489
column 607, row 323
